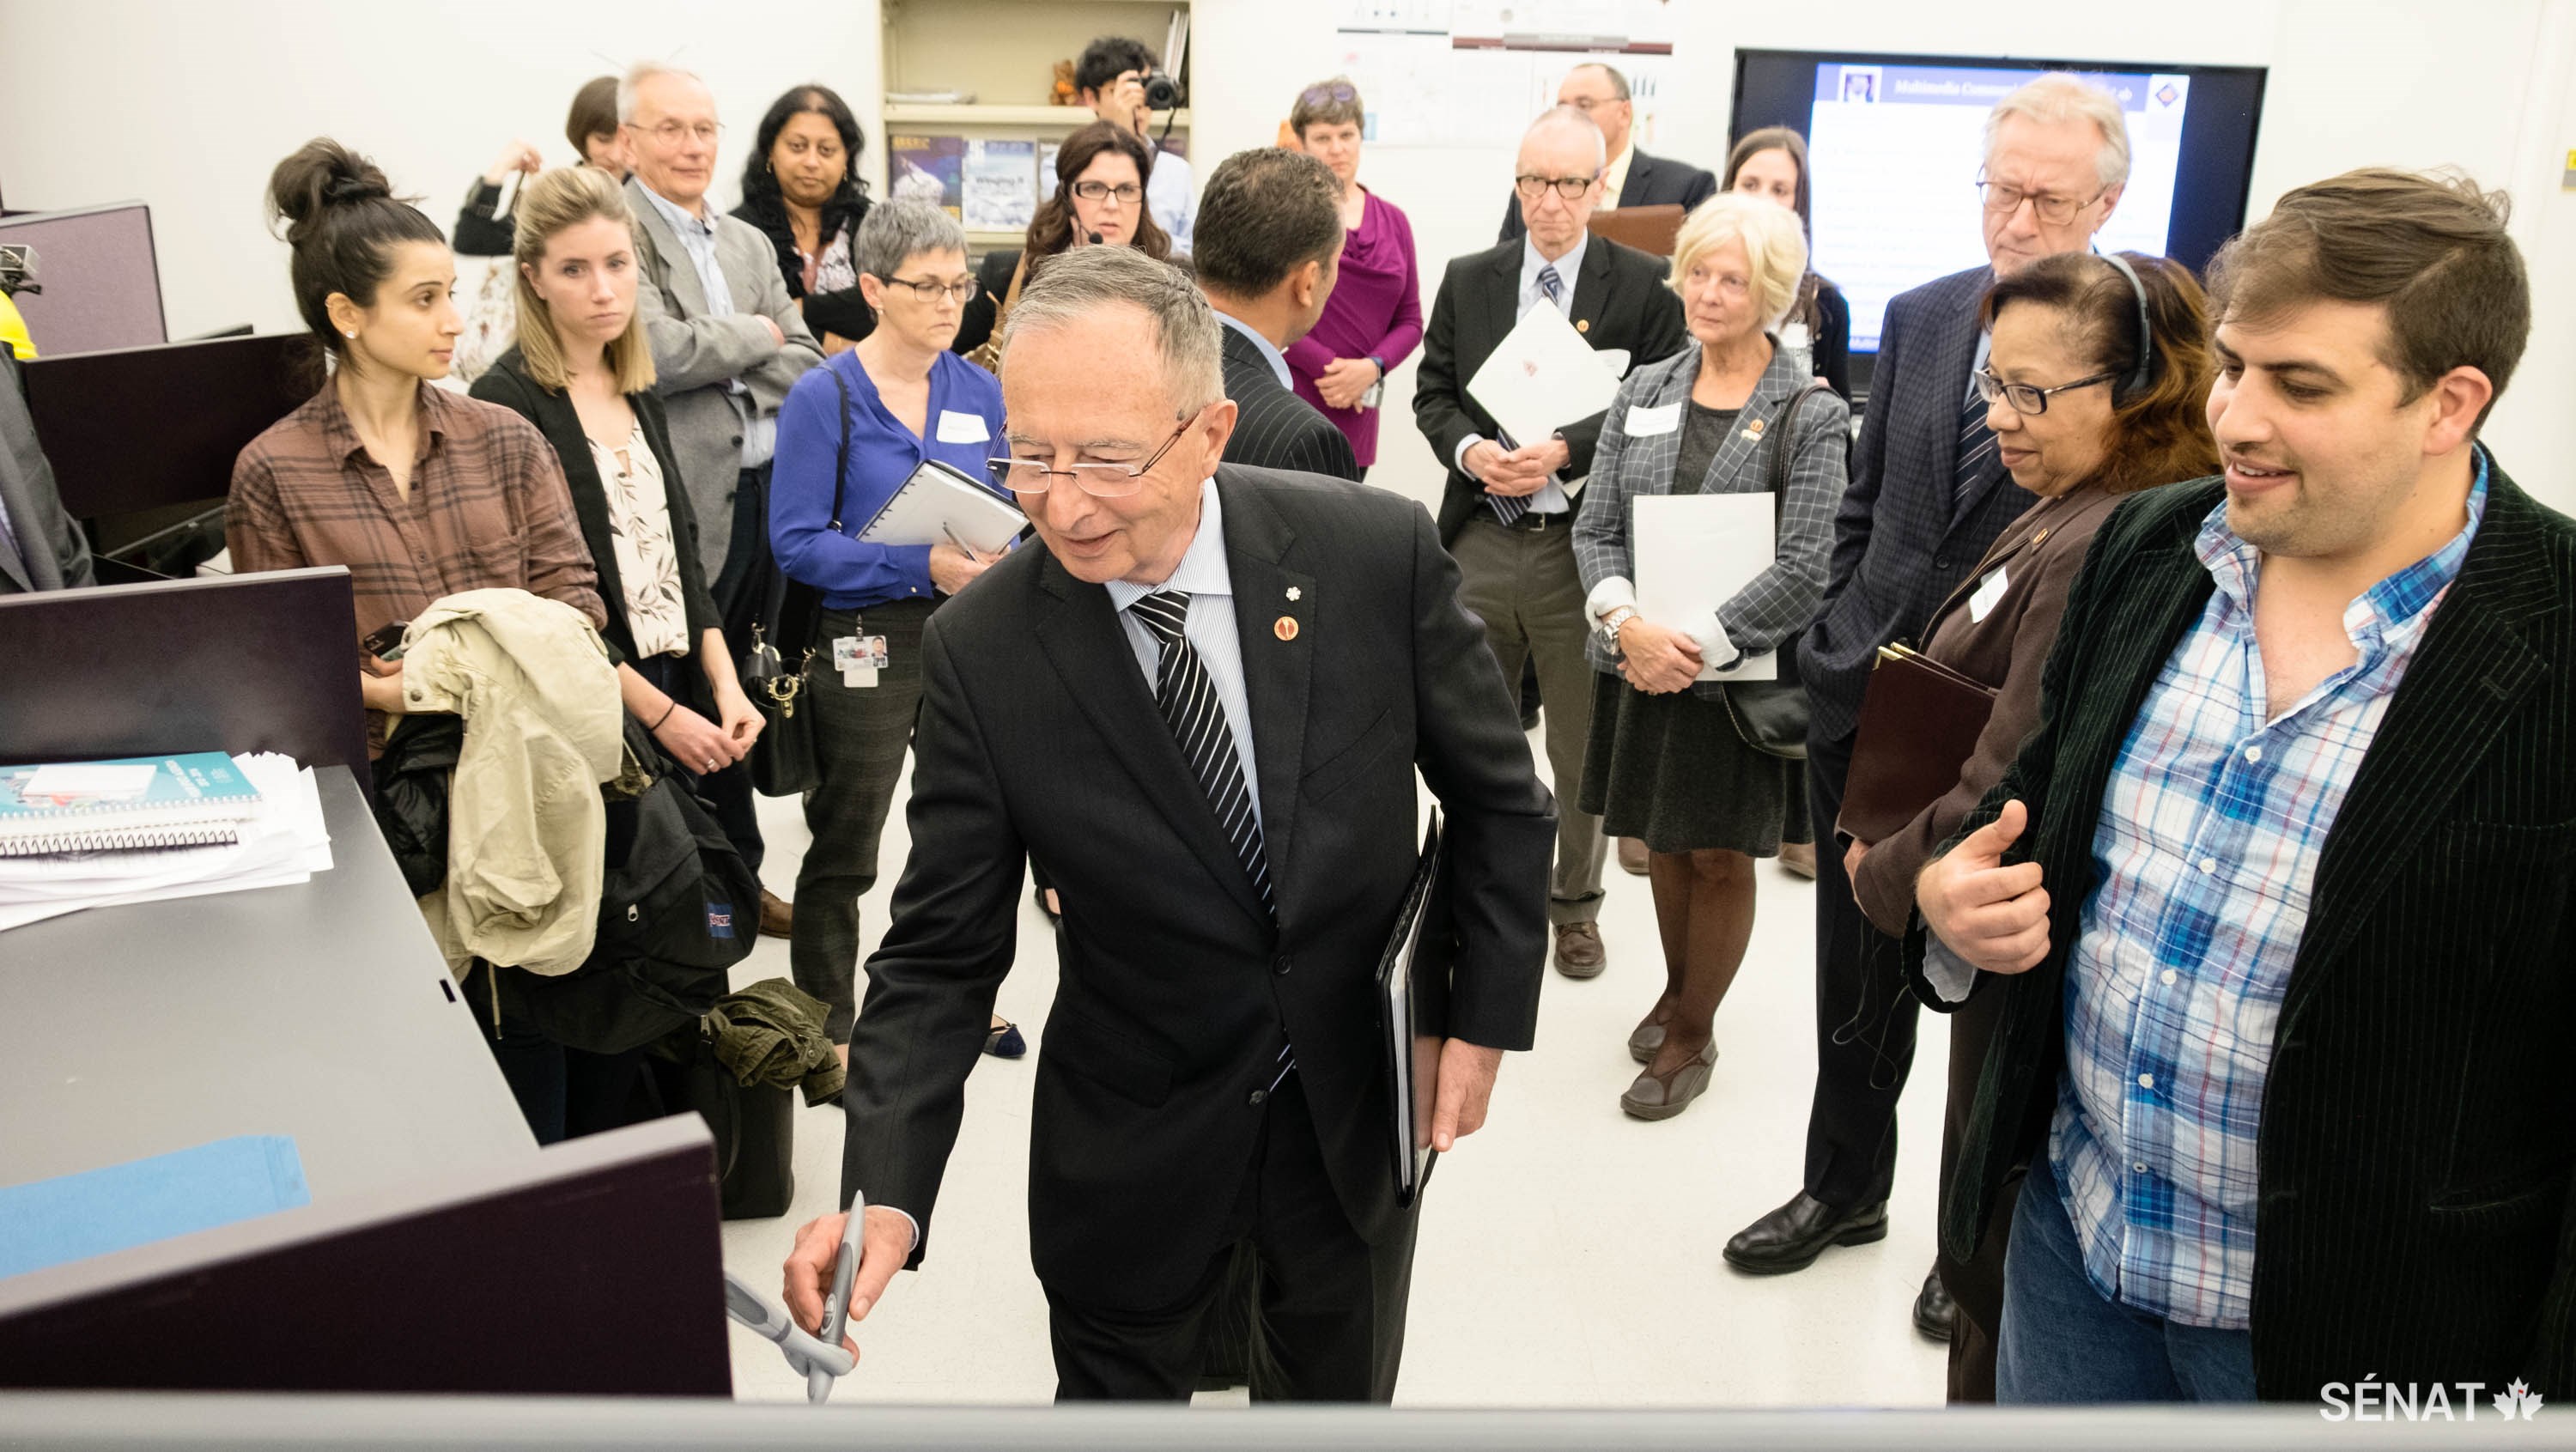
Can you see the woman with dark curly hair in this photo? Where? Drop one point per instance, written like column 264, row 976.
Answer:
column 801, row 186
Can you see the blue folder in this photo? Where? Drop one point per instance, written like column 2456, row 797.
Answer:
column 47, row 1222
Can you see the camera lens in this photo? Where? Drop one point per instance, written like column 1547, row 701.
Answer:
column 1162, row 93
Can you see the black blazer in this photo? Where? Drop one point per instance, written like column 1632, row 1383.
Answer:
column 1620, row 301
column 2418, row 1139
column 507, row 383
column 1901, row 543
column 1273, row 427
column 1652, row 181
column 1039, row 738
column 845, row 312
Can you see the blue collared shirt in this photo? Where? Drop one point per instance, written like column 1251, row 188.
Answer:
column 965, row 428
column 1209, row 582
column 2205, row 854
column 698, row 238
column 1271, row 355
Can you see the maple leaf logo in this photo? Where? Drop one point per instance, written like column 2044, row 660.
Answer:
column 2518, row 1400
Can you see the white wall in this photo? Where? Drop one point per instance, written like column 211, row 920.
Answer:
column 187, row 107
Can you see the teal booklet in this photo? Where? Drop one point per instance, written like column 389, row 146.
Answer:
column 74, row 1217
column 156, row 801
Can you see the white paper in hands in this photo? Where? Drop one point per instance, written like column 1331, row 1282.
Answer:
column 1543, row 376
column 1692, row 553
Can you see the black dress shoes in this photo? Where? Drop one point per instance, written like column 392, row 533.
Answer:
column 1791, row 1237
column 1934, row 1313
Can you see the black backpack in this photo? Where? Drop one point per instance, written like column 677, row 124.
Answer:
column 677, row 909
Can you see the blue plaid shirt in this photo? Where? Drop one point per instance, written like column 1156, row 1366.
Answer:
column 2208, row 845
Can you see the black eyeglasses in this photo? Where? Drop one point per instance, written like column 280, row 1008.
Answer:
column 1128, row 193
column 1102, row 481
column 1571, row 188
column 930, row 289
column 2028, row 399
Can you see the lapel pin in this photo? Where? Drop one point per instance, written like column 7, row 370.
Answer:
column 2039, row 539
column 1753, row 430
column 1295, row 593
column 1286, row 629
column 1583, row 325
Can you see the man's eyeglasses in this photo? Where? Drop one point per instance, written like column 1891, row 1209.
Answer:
column 1101, row 481
column 931, row 289
column 2028, row 399
column 672, row 133
column 1571, row 188
column 2056, row 211
column 1127, row 193
column 1316, row 95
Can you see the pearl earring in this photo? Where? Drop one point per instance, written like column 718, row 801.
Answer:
column 352, row 332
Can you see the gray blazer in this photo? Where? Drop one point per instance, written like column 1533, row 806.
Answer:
column 697, row 356
column 1774, row 606
column 51, row 554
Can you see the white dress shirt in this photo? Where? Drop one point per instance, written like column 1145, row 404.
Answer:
column 1209, row 582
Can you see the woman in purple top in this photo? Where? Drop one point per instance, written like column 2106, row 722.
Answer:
column 1373, row 321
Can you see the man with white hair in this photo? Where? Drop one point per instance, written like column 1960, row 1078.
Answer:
column 1508, row 508
column 1927, row 496
column 1201, row 707
column 728, row 342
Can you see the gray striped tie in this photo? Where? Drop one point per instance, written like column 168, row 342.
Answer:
column 1976, row 453
column 1192, row 708
column 1509, row 507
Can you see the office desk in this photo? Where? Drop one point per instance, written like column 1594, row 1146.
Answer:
column 316, row 1011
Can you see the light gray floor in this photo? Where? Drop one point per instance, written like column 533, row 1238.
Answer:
column 1569, row 1254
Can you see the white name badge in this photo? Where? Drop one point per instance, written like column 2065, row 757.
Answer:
column 962, row 428
column 1989, row 594
column 1649, row 422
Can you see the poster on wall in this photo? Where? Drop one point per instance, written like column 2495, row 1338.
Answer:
column 1471, row 73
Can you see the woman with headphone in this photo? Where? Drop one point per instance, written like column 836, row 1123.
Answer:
column 2096, row 386
column 1101, row 173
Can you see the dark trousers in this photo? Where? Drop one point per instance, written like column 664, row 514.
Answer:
column 565, row 1093
column 1975, row 1284
column 860, row 736
column 1864, row 1016
column 1330, row 1319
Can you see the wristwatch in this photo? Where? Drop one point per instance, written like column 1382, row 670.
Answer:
column 1610, row 623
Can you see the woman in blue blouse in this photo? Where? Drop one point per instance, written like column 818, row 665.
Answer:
column 909, row 399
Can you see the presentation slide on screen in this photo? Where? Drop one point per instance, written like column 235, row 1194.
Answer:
column 1896, row 151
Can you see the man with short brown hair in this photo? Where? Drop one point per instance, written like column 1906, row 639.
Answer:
column 2279, row 892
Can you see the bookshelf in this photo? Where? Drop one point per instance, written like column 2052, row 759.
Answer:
column 1002, row 54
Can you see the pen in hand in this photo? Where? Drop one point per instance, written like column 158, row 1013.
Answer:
column 963, row 548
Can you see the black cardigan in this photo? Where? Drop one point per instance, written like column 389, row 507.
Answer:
column 507, row 383
column 844, row 312
column 992, row 284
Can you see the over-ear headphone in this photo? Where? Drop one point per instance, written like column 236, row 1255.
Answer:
column 2135, row 381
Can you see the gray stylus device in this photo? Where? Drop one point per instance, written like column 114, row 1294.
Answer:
column 836, row 1307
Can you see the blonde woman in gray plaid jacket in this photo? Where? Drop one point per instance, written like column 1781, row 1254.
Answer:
column 1668, row 760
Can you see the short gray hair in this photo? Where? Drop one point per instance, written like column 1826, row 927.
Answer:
column 2063, row 96
column 1074, row 285
column 1572, row 118
column 634, row 79
column 898, row 229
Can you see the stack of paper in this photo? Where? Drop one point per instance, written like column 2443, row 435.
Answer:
column 142, row 801
column 281, row 841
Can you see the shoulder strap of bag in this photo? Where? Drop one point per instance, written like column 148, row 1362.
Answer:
column 841, row 460
column 1011, row 294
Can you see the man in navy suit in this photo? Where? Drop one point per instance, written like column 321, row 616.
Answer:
column 1270, row 241
column 1927, row 497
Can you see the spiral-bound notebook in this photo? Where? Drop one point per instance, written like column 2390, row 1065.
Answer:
column 91, row 806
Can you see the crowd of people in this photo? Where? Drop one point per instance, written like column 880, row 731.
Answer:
column 2243, row 903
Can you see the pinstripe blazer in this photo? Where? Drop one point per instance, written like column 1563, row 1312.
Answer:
column 1274, row 428
column 1776, row 604
column 1899, row 546
column 2417, row 1160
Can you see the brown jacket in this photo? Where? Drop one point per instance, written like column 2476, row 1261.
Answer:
column 2039, row 554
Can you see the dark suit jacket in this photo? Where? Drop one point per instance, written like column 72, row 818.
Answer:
column 1900, row 545
column 1039, row 737
column 2039, row 555
column 1620, row 301
column 1273, row 427
column 507, row 383
column 52, row 553
column 2418, row 1141
column 984, row 310
column 1652, row 181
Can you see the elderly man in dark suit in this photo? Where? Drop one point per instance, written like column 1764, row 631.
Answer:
column 2277, row 896
column 1202, row 706
column 1928, row 496
column 1269, row 238
column 1509, row 504
column 1629, row 177
column 40, row 547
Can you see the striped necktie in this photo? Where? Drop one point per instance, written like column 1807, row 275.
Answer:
column 1976, row 453
column 1509, row 507
column 1191, row 707
column 1551, row 284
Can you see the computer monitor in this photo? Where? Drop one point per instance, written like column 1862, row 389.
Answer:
column 147, row 428
column 1895, row 141
column 100, row 275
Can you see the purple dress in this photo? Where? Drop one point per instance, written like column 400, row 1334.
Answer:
column 1375, row 310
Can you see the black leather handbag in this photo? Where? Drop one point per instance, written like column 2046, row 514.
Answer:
column 783, row 761
column 1771, row 715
